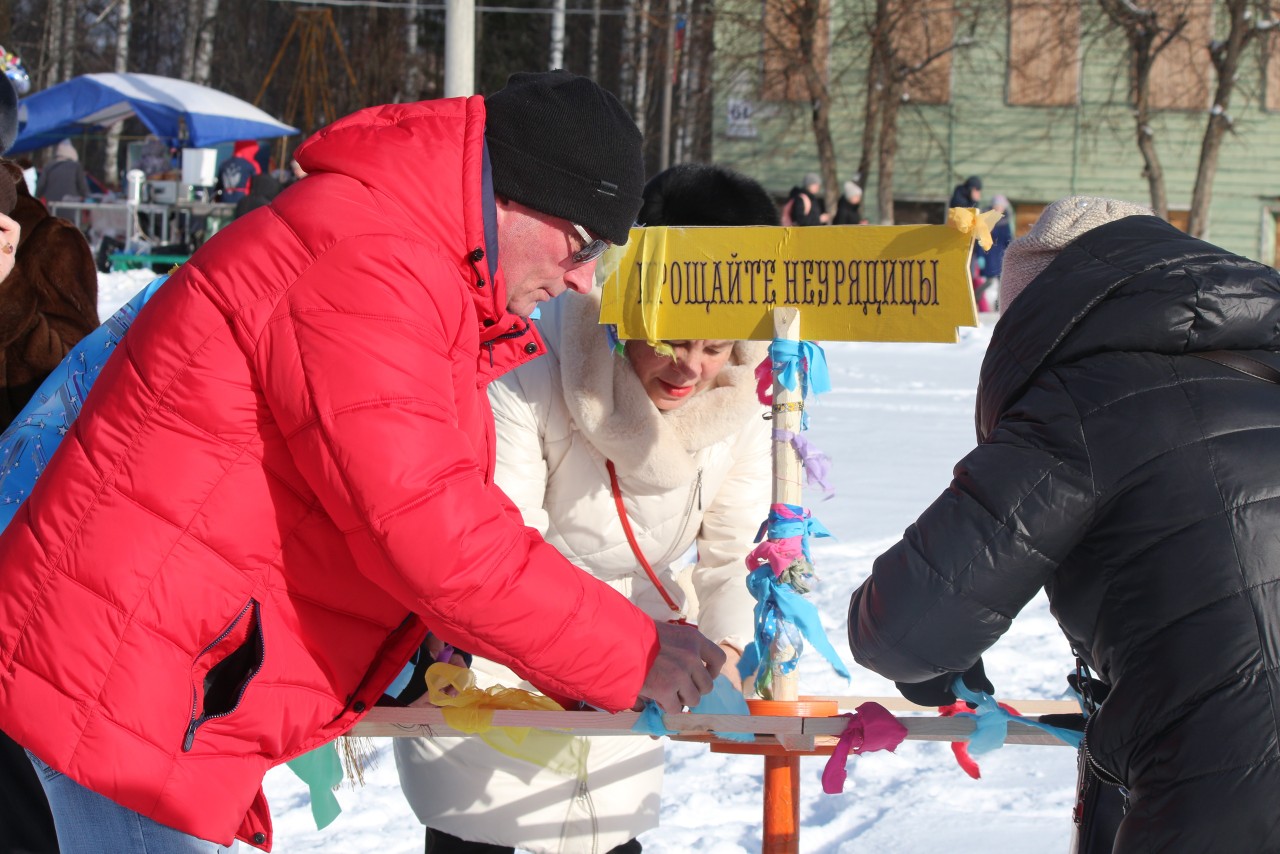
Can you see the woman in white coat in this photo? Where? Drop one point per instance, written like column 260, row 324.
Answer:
column 653, row 474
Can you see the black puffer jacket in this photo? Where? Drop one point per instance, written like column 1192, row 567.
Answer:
column 1141, row 487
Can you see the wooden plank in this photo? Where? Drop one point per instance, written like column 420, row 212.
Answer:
column 898, row 704
column 400, row 723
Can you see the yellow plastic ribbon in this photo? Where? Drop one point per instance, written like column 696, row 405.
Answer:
column 977, row 225
column 653, row 250
column 467, row 708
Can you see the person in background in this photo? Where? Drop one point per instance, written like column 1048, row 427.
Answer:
column 289, row 175
column 264, row 188
column 1136, row 478
column 991, row 261
column 678, row 440
column 849, row 208
column 282, row 480
column 806, row 206
column 967, row 194
column 48, row 302
column 238, row 172
column 63, row 178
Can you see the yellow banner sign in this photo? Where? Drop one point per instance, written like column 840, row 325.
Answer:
column 850, row 283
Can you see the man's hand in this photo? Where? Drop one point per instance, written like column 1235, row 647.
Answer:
column 730, row 669
column 685, row 669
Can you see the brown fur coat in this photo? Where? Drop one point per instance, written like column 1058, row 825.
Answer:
column 49, row 301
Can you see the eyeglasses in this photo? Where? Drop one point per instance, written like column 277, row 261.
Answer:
column 592, row 247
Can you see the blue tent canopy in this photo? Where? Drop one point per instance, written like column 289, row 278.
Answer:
column 175, row 110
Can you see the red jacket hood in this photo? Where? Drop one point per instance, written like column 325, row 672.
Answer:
column 248, row 150
column 406, row 174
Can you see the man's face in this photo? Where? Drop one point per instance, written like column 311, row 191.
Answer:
column 535, row 251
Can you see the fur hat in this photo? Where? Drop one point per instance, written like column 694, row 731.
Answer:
column 560, row 144
column 1059, row 224
column 8, row 114
column 705, row 194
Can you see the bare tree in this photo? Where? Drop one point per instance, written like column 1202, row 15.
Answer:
column 55, row 62
column 1148, row 31
column 1245, row 20
column 202, row 61
column 907, row 40
column 796, row 38
column 124, row 25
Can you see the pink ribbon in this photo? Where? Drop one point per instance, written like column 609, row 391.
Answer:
column 779, row 554
column 764, row 381
column 870, row 728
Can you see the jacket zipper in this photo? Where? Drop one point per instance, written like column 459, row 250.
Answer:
column 196, row 722
column 1102, row 773
column 695, row 496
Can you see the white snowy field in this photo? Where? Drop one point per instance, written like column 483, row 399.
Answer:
column 898, row 419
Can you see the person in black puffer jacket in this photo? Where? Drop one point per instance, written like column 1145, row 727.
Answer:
column 1140, row 486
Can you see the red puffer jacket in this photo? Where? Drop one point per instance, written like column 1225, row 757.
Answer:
column 281, row 479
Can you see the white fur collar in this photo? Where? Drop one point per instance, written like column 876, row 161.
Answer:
column 609, row 405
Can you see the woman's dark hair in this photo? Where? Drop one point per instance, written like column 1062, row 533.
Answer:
column 706, row 194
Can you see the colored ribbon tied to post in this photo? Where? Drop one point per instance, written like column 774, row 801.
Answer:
column 991, row 721
column 792, row 363
column 871, row 727
column 780, row 610
column 817, row 465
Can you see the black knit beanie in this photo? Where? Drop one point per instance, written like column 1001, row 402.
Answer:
column 560, row 144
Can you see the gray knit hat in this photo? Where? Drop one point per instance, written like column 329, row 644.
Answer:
column 1059, row 224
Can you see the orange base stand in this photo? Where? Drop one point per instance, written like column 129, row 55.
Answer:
column 781, row 771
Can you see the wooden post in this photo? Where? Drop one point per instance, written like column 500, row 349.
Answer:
column 782, row 771
column 781, row 805
column 788, row 407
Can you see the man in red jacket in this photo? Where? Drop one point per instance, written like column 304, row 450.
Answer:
column 283, row 477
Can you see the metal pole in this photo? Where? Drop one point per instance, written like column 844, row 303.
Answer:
column 460, row 48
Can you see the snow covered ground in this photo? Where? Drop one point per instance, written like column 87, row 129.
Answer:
column 898, row 419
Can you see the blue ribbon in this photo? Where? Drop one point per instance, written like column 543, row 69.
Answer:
column 801, row 362
column 991, row 725
column 780, row 527
column 724, row 699
column 779, row 608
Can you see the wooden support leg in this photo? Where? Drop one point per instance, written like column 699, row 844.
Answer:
column 781, row 805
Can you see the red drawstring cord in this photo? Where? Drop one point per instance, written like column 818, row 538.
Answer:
column 631, row 539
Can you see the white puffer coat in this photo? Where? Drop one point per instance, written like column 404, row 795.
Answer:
column 697, row 477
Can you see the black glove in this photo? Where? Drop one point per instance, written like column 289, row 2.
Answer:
column 937, row 691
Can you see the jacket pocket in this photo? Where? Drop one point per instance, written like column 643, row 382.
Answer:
column 221, row 673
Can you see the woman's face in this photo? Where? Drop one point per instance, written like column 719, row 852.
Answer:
column 671, row 382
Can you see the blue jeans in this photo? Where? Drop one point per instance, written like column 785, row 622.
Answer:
column 88, row 823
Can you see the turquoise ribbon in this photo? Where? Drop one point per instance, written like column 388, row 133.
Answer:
column 803, row 363
column 800, row 523
column 777, row 607
column 321, row 770
column 991, row 725
column 724, row 699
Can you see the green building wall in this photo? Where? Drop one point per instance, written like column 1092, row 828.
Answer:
column 1032, row 155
